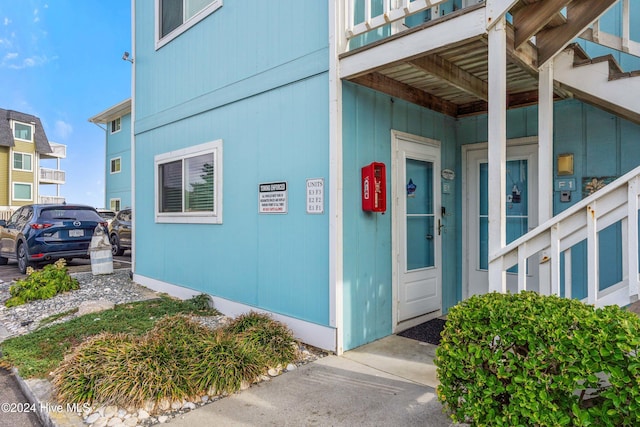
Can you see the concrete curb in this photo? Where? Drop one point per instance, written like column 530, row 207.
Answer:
column 39, row 392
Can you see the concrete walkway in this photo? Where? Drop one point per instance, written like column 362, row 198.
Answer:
column 386, row 383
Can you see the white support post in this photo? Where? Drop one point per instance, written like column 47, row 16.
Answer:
column 592, row 254
column 337, row 44
column 625, row 26
column 495, row 11
column 522, row 267
column 555, row 260
column 545, row 165
column 568, row 284
column 632, row 236
column 497, row 152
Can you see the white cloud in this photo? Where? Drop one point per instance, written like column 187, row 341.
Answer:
column 36, row 18
column 6, row 21
column 11, row 60
column 63, row 130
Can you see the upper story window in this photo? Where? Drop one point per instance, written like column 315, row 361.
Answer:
column 176, row 16
column 115, row 125
column 115, row 165
column 22, row 162
column 189, row 184
column 114, row 204
column 23, row 131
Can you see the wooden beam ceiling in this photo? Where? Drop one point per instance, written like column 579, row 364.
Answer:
column 514, row 100
column 452, row 74
column 409, row 93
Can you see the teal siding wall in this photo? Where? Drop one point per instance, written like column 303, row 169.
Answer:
column 118, row 185
column 368, row 118
column 269, row 105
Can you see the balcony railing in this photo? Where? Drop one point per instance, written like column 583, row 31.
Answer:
column 59, row 151
column 367, row 15
column 52, row 176
column 51, row 199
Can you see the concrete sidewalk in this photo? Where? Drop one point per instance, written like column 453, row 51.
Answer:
column 387, row 383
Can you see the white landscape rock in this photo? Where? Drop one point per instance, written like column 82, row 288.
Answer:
column 94, row 306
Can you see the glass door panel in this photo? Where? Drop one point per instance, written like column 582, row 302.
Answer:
column 420, row 218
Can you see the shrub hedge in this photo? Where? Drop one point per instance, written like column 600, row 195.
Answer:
column 527, row 359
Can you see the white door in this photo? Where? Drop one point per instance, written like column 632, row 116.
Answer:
column 417, row 232
column 521, row 211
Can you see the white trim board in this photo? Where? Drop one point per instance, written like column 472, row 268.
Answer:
column 320, row 336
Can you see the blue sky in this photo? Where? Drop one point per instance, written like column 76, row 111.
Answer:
column 61, row 60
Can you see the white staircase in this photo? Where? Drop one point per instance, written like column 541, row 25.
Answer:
column 599, row 81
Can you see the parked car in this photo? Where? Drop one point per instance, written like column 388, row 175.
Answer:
column 47, row 232
column 120, row 232
column 107, row 214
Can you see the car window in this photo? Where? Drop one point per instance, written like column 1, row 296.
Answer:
column 107, row 215
column 70, row 214
column 124, row 216
column 16, row 215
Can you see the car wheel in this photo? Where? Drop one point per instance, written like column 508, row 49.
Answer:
column 23, row 258
column 3, row 261
column 116, row 250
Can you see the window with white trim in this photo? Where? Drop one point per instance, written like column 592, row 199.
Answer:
column 114, row 205
column 23, row 131
column 23, row 162
column 116, row 125
column 189, row 184
column 115, row 165
column 22, row 191
column 173, row 17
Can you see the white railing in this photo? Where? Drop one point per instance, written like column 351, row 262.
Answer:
column 52, row 176
column 391, row 11
column 58, row 151
column 616, row 202
column 6, row 214
column 51, row 199
column 623, row 42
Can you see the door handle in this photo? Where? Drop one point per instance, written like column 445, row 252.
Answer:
column 440, row 226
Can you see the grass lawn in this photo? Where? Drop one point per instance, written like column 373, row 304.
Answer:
column 40, row 352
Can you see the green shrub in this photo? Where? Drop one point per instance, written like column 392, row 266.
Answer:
column 527, row 359
column 42, row 284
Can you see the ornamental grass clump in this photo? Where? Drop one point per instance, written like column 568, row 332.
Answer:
column 42, row 284
column 179, row 359
column 272, row 339
column 526, row 359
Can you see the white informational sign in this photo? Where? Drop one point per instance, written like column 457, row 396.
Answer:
column 272, row 198
column 315, row 196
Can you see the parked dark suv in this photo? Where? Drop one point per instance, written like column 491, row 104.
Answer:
column 120, row 232
column 44, row 233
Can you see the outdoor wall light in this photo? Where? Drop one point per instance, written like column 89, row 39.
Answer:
column 125, row 57
column 565, row 164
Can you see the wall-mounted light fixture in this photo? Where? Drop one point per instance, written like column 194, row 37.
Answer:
column 565, row 164
column 125, row 57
